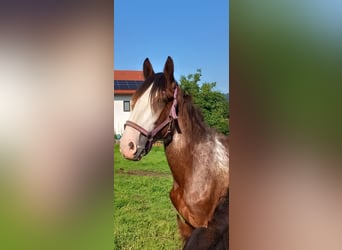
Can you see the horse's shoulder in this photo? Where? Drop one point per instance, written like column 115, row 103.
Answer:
column 224, row 139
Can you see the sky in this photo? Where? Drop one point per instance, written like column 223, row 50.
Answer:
column 194, row 33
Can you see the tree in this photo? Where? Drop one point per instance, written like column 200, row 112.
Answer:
column 213, row 104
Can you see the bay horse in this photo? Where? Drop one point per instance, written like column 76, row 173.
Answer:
column 197, row 155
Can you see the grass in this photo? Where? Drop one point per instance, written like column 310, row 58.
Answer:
column 144, row 217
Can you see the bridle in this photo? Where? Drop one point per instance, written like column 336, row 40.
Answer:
column 151, row 136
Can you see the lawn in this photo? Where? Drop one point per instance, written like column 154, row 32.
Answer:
column 144, row 217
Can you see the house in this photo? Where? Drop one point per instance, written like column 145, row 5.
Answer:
column 126, row 82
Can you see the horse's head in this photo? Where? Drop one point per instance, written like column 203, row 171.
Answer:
column 153, row 111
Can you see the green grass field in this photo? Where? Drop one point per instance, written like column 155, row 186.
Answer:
column 144, row 217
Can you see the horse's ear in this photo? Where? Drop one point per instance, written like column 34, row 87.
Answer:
column 168, row 70
column 148, row 69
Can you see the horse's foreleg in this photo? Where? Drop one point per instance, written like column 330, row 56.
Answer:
column 185, row 229
column 191, row 221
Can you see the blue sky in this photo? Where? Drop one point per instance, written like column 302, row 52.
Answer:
column 194, row 33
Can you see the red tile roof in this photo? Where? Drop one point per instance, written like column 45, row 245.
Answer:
column 128, row 75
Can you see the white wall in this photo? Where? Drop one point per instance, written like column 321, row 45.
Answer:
column 120, row 117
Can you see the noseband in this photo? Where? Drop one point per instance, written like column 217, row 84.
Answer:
column 168, row 121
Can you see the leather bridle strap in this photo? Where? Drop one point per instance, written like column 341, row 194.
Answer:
column 137, row 127
column 172, row 116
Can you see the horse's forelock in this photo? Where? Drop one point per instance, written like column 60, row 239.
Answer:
column 159, row 85
column 140, row 91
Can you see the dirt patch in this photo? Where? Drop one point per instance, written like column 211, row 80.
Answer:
column 143, row 173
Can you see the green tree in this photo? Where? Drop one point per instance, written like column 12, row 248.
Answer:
column 213, row 104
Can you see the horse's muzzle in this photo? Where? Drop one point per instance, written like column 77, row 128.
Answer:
column 143, row 147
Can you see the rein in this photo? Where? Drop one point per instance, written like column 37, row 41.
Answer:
column 168, row 121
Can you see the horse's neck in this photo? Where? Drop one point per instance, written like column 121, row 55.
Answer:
column 179, row 157
column 187, row 151
column 180, row 152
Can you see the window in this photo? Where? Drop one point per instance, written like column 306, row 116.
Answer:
column 126, row 106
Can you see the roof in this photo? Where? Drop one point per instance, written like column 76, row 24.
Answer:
column 127, row 81
column 129, row 75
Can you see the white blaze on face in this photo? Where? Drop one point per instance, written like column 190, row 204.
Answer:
column 144, row 116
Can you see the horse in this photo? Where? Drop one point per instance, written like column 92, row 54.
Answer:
column 197, row 155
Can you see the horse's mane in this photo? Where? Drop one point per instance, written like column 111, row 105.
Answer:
column 194, row 118
column 159, row 85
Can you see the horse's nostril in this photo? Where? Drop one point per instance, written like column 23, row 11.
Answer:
column 131, row 145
